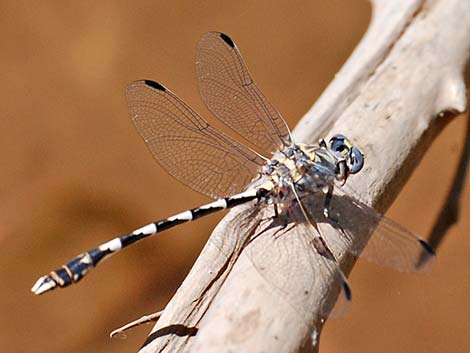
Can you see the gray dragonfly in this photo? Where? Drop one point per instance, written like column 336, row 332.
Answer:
column 216, row 165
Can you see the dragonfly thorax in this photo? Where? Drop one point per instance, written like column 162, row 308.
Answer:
column 312, row 168
column 309, row 168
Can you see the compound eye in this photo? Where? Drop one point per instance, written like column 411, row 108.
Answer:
column 338, row 143
column 356, row 160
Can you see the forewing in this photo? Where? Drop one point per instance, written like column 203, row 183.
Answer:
column 232, row 96
column 186, row 146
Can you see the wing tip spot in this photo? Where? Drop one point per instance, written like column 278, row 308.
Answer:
column 347, row 291
column 155, row 85
column 227, row 40
column 428, row 248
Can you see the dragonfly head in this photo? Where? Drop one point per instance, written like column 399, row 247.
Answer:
column 346, row 151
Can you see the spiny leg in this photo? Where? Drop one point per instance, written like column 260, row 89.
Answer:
column 326, row 210
column 282, row 220
column 327, row 202
column 279, row 218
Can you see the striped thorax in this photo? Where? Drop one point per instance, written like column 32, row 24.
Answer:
column 311, row 168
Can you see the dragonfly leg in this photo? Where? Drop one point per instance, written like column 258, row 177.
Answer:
column 278, row 216
column 281, row 218
column 326, row 204
column 326, row 210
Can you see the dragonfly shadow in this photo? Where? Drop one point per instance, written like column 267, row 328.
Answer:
column 176, row 329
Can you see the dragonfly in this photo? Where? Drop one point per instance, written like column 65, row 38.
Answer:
column 276, row 172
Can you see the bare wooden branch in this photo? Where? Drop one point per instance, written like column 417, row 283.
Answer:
column 140, row 321
column 389, row 98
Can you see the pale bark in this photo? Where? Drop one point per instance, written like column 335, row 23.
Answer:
column 390, row 98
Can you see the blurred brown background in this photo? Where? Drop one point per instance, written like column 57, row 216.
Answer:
column 75, row 173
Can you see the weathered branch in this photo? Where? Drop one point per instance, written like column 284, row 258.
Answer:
column 389, row 98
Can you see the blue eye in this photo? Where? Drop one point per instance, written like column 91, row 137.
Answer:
column 356, row 160
column 338, row 143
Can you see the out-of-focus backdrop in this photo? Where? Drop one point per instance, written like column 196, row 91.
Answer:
column 75, row 173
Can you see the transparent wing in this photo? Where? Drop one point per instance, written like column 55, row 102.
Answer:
column 286, row 257
column 232, row 96
column 388, row 243
column 374, row 237
column 186, row 146
column 323, row 261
